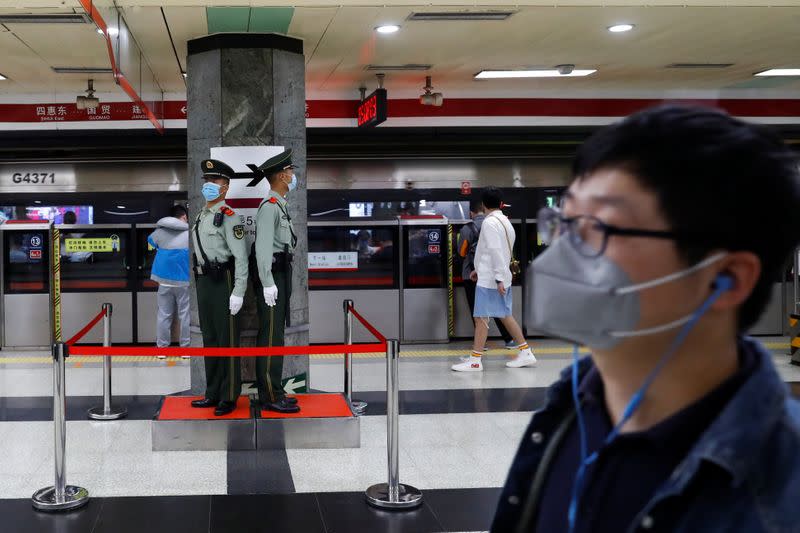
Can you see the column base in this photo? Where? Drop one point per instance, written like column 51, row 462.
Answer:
column 114, row 413
column 408, row 497
column 74, row 497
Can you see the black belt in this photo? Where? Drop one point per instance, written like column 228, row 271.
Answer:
column 214, row 269
column 281, row 257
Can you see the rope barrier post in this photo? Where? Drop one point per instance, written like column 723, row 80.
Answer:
column 107, row 412
column 359, row 407
column 60, row 497
column 393, row 495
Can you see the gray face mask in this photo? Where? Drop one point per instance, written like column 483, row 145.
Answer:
column 590, row 301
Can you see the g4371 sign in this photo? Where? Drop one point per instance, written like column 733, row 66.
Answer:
column 372, row 111
column 34, row 177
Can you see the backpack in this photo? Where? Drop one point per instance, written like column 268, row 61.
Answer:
column 471, row 241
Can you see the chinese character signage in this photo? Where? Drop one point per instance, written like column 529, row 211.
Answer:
column 332, row 261
column 108, row 244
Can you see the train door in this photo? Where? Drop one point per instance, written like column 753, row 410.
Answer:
column 25, row 286
column 357, row 260
column 96, row 268
column 424, row 279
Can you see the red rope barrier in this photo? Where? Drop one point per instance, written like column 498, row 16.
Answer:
column 257, row 351
column 370, row 327
column 78, row 336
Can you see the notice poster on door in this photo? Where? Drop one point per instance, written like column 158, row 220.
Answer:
column 242, row 199
column 332, row 261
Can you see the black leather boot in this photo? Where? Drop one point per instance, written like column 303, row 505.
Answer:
column 224, row 408
column 282, row 406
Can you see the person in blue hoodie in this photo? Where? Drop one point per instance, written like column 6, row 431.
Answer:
column 171, row 272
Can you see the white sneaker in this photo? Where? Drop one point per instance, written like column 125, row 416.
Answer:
column 466, row 358
column 472, row 365
column 524, row 358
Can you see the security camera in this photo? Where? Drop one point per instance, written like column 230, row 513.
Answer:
column 430, row 98
column 89, row 101
column 565, row 69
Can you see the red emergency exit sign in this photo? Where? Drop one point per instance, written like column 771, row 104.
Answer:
column 372, row 111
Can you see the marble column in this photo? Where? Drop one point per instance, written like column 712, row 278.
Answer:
column 248, row 89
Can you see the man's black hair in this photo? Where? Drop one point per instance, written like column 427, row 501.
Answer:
column 729, row 184
column 491, row 197
column 70, row 217
column 178, row 211
column 475, row 205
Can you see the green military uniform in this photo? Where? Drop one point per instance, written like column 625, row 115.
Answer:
column 219, row 244
column 274, row 244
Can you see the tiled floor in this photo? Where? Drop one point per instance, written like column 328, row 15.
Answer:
column 458, row 434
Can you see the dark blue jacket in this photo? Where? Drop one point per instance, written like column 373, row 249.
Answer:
column 755, row 441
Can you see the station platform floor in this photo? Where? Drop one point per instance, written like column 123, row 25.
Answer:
column 458, row 434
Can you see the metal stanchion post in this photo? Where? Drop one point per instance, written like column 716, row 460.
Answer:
column 393, row 495
column 358, row 406
column 107, row 412
column 60, row 497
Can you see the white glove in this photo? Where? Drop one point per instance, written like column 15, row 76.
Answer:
column 235, row 304
column 271, row 295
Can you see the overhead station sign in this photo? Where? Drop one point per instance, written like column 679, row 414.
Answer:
column 372, row 111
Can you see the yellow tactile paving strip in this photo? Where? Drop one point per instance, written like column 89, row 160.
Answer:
column 409, row 352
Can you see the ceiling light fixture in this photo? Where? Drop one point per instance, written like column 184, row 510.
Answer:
column 388, row 28
column 779, row 72
column 2, row 78
column 538, row 73
column 120, row 207
column 183, row 74
column 620, row 28
column 112, row 32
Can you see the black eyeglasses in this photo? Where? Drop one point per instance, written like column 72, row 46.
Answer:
column 589, row 235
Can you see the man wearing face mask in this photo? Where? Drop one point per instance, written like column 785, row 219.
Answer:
column 220, row 267
column 660, row 259
column 272, row 249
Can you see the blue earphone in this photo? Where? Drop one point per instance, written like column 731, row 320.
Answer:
column 723, row 282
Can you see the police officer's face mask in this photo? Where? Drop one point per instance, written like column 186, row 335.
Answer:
column 592, row 301
column 292, row 183
column 211, row 191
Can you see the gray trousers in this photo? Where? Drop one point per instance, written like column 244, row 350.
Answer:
column 173, row 303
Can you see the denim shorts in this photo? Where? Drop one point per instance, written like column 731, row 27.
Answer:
column 490, row 303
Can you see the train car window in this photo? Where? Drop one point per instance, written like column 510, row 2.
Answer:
column 61, row 214
column 425, row 261
column 94, row 260
column 25, row 258
column 347, row 257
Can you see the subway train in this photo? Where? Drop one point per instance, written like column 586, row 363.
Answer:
column 380, row 231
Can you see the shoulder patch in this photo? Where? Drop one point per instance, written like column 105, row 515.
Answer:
column 238, row 231
column 272, row 200
column 227, row 211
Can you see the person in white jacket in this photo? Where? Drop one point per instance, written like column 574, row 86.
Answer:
column 493, row 277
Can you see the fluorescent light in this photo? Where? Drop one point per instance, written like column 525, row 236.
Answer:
column 779, row 72
column 542, row 73
column 120, row 207
column 2, row 77
column 112, row 32
column 388, row 28
column 619, row 28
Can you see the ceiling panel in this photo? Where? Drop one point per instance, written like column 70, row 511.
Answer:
column 339, row 42
column 148, row 27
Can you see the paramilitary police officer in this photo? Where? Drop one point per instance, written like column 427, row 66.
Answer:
column 273, row 247
column 220, row 265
